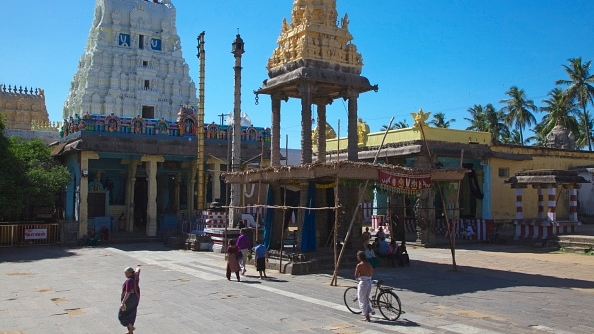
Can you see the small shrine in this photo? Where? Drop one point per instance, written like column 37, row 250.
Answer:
column 554, row 182
column 560, row 137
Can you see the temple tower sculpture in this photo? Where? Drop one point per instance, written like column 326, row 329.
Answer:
column 23, row 108
column 132, row 64
column 316, row 62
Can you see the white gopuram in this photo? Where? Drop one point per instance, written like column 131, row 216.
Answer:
column 133, row 64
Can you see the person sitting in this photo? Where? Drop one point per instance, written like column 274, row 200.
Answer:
column 393, row 254
column 370, row 255
column 380, row 233
column 383, row 248
column 92, row 237
column 403, row 254
column 375, row 245
column 469, row 232
column 104, row 234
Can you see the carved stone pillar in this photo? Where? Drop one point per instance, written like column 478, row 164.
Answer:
column 151, row 208
column 85, row 156
column 130, row 184
column 305, row 90
column 353, row 147
column 275, row 134
column 321, row 104
column 177, row 183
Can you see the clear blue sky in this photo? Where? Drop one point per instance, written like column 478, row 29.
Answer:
column 442, row 56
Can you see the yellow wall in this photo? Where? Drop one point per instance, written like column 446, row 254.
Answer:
column 503, row 203
column 409, row 134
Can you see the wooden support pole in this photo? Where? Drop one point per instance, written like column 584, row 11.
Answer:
column 334, row 280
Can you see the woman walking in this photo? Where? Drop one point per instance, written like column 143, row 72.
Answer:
column 232, row 260
column 130, row 299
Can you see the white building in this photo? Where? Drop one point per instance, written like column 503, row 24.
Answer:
column 133, row 64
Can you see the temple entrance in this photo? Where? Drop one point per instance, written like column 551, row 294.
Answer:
column 140, row 203
column 96, row 204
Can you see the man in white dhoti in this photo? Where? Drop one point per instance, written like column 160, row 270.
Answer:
column 363, row 273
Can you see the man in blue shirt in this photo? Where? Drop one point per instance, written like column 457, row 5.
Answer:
column 261, row 259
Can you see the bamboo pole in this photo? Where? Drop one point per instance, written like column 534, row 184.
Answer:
column 336, row 216
column 334, row 280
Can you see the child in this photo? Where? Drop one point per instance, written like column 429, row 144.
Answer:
column 261, row 259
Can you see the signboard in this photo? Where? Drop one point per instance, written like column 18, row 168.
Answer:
column 156, row 44
column 35, row 233
column 405, row 183
column 124, row 40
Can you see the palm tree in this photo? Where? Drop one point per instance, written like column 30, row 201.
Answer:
column 580, row 88
column 401, row 125
column 513, row 138
column 439, row 121
column 556, row 107
column 486, row 119
column 478, row 120
column 581, row 139
column 517, row 109
column 385, row 127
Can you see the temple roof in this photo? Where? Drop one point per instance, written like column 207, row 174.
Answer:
column 342, row 170
column 546, row 178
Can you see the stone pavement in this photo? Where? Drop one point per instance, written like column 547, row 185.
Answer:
column 497, row 289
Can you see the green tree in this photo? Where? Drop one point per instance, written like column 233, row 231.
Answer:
column 439, row 121
column 580, row 89
column 40, row 178
column 385, row 127
column 401, row 125
column 10, row 194
column 487, row 119
column 517, row 109
column 513, row 137
column 557, row 107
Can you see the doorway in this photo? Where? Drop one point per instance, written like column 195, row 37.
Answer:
column 140, row 203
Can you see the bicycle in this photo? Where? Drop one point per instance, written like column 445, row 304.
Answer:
column 384, row 298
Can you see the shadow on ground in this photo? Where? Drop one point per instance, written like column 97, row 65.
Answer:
column 34, row 253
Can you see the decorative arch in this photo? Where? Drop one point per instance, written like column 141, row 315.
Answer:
column 212, row 130
column 112, row 123
column 138, row 125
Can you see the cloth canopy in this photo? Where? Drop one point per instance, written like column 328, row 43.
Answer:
column 308, row 236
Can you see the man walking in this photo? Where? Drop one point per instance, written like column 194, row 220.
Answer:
column 244, row 244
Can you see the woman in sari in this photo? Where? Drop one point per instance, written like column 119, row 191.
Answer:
column 232, row 262
column 130, row 299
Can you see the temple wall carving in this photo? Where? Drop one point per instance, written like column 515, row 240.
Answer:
column 22, row 107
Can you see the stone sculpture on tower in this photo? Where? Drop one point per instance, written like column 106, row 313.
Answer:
column 133, row 63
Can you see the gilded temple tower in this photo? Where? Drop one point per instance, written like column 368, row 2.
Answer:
column 316, row 62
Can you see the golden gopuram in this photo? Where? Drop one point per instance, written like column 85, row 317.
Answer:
column 315, row 61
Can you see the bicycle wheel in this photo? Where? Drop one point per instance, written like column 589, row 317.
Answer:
column 351, row 301
column 389, row 305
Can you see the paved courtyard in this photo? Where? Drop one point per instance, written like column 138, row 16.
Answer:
column 497, row 289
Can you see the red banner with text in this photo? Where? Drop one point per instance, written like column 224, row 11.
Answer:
column 405, row 183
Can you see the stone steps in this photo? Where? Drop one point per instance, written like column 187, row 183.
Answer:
column 575, row 243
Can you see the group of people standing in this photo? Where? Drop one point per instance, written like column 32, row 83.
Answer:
column 240, row 251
